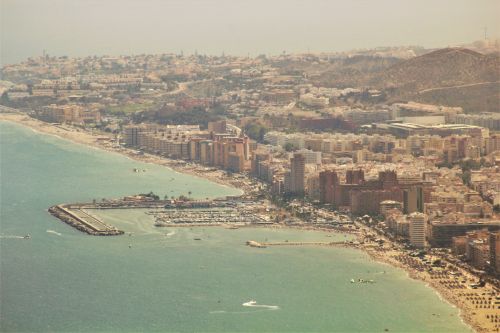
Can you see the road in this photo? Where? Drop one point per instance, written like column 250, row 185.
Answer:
column 6, row 109
column 459, row 86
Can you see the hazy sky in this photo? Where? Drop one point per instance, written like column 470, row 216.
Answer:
column 88, row 27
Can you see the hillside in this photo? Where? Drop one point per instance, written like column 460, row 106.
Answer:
column 441, row 68
column 451, row 76
column 353, row 71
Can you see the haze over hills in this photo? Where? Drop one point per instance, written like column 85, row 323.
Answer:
column 442, row 68
column 467, row 76
column 449, row 76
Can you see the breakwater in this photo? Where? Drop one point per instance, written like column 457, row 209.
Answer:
column 81, row 220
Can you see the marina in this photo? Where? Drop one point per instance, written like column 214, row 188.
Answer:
column 205, row 217
column 167, row 213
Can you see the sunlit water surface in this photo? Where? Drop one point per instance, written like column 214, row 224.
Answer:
column 162, row 279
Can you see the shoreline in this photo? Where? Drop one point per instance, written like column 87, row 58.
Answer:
column 92, row 141
column 469, row 315
column 472, row 317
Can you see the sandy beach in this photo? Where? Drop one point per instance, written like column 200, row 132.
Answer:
column 477, row 306
column 103, row 141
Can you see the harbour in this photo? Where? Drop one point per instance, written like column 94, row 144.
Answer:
column 167, row 213
column 160, row 267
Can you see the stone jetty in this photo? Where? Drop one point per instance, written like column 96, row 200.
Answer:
column 83, row 221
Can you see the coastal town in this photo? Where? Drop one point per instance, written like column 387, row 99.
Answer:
column 416, row 183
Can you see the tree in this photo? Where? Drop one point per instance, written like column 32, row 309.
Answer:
column 466, row 177
column 256, row 131
column 290, row 147
column 219, row 110
column 182, row 197
column 496, row 208
column 469, row 164
column 151, row 195
column 4, row 100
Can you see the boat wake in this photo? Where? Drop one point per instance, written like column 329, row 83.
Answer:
column 237, row 312
column 254, row 304
column 234, row 312
column 14, row 237
column 250, row 304
column 54, row 232
column 170, row 233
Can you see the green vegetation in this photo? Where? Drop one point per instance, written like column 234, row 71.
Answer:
column 496, row 208
column 32, row 103
column 468, row 165
column 196, row 115
column 182, row 197
column 126, row 109
column 466, row 177
column 290, row 147
column 4, row 99
column 256, row 131
column 175, row 77
column 151, row 195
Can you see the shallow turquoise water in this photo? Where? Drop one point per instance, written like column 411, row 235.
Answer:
column 163, row 279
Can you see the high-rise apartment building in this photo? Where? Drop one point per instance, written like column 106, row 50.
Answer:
column 417, row 230
column 413, row 200
column 297, row 174
column 495, row 252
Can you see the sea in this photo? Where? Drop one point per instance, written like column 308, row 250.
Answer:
column 162, row 279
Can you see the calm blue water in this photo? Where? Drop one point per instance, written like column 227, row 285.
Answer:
column 164, row 280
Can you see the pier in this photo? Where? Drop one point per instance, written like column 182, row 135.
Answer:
column 83, row 221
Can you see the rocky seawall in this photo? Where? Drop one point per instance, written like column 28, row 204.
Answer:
column 80, row 223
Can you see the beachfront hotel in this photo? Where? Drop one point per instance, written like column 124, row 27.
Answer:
column 417, row 230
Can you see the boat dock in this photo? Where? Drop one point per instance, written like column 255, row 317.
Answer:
column 185, row 225
column 204, row 216
column 83, row 221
